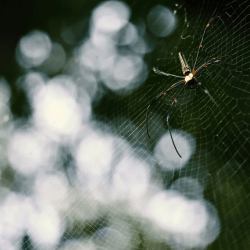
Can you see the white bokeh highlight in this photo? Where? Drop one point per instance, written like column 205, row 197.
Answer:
column 165, row 152
column 32, row 82
column 131, row 179
column 110, row 16
column 13, row 217
column 29, row 152
column 118, row 69
column 52, row 190
column 128, row 35
column 161, row 21
column 191, row 223
column 45, row 228
column 94, row 154
column 33, row 49
column 57, row 112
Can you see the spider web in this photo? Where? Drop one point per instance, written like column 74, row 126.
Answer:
column 221, row 133
column 106, row 185
column 221, row 140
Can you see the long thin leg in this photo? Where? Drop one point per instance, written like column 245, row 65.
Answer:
column 205, row 90
column 157, row 98
column 208, row 63
column 216, row 60
column 168, row 117
column 159, row 72
column 203, row 35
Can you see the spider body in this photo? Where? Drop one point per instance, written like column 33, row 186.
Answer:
column 189, row 76
column 189, row 80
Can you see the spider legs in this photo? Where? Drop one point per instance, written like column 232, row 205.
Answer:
column 205, row 90
column 203, row 35
column 217, row 60
column 168, row 117
column 212, row 61
column 157, row 98
column 159, row 72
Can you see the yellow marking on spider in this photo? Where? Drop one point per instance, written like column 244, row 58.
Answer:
column 188, row 78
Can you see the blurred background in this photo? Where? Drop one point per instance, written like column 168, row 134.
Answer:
column 77, row 168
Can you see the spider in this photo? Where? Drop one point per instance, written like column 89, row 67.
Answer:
column 189, row 80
